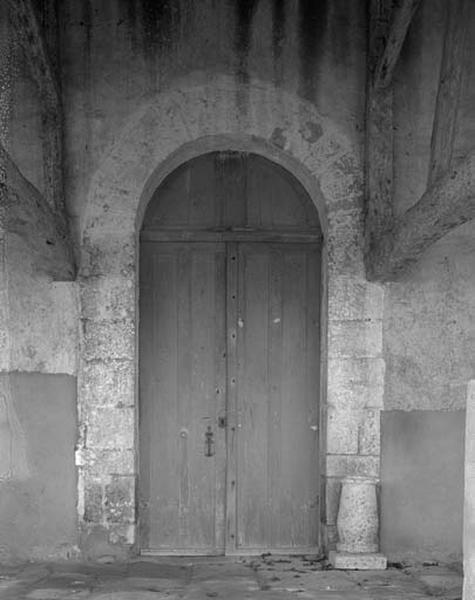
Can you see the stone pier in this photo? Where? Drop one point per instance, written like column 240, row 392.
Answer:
column 358, row 526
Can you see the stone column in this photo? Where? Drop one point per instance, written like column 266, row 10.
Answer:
column 469, row 505
column 106, row 448
column 358, row 526
column 355, row 364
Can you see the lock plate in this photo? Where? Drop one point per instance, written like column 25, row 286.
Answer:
column 209, row 442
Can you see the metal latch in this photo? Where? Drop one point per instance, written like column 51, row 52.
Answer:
column 209, row 442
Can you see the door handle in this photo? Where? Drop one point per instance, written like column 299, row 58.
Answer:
column 209, row 442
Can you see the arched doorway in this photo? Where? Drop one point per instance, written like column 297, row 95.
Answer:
column 229, row 361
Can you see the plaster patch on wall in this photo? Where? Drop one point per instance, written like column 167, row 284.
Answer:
column 312, row 132
column 43, row 317
column 13, row 456
column 469, row 495
column 278, row 137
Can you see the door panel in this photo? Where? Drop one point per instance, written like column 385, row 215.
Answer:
column 277, row 389
column 229, row 332
column 182, row 394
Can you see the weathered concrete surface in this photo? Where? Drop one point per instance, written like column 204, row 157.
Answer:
column 43, row 317
column 422, row 484
column 42, row 229
column 447, row 204
column 37, row 475
column 23, row 132
column 415, row 89
column 429, row 328
column 262, row 578
column 447, row 199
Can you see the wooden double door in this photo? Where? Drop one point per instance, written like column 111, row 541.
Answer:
column 229, row 382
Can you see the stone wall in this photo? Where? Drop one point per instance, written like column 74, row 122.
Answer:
column 429, row 314
column 429, row 321
column 38, row 342
column 147, row 86
column 168, row 85
column 38, row 366
column 147, row 151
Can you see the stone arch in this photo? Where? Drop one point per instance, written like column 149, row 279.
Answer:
column 177, row 125
column 193, row 119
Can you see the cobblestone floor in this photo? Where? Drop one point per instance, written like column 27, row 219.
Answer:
column 269, row 577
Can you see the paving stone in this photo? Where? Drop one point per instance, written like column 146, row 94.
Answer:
column 8, row 582
column 224, row 588
column 441, row 581
column 315, row 582
column 178, row 569
column 221, row 570
column 48, row 594
column 128, row 595
column 33, row 571
column 255, row 578
column 153, row 584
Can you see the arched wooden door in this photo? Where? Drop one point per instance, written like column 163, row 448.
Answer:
column 229, row 361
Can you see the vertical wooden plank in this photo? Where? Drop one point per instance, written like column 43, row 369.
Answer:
column 300, row 474
column 253, row 396
column 275, row 201
column 145, row 384
column 231, row 181
column 185, row 364
column 158, row 356
column 274, row 400
column 204, row 211
column 183, row 431
column 231, row 395
column 278, row 386
column 220, row 401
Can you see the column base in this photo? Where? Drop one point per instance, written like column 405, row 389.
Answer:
column 360, row 562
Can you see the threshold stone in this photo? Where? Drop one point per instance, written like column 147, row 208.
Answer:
column 362, row 562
